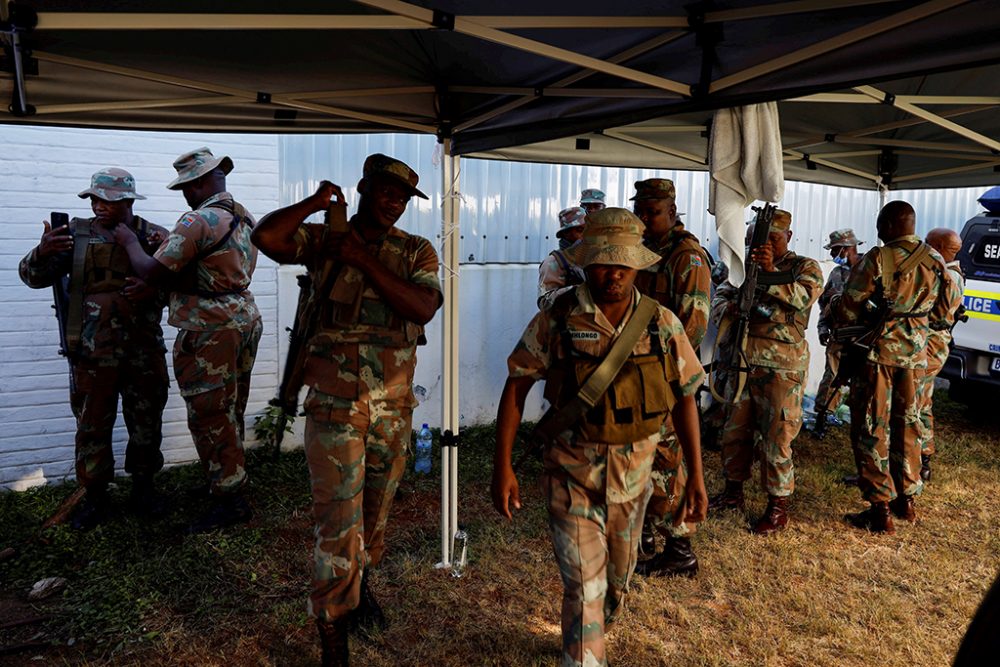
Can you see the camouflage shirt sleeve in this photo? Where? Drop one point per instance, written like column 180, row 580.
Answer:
column 725, row 294
column 693, row 282
column 36, row 273
column 532, row 355
column 684, row 371
column 184, row 242
column 424, row 269
column 942, row 316
column 805, row 288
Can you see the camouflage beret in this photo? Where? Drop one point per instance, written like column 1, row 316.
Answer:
column 654, row 188
column 383, row 165
column 111, row 184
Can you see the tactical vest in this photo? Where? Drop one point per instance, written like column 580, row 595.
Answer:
column 354, row 313
column 889, row 284
column 107, row 264
column 799, row 320
column 638, row 399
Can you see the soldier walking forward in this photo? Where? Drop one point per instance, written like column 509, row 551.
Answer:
column 207, row 263
column 681, row 282
column 907, row 284
column 767, row 415
column 360, row 366
column 115, row 342
column 597, row 472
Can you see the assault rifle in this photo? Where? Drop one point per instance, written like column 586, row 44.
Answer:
column 60, row 296
column 856, row 341
column 285, row 405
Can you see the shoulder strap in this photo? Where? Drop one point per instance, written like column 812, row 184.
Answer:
column 74, row 315
column 555, row 422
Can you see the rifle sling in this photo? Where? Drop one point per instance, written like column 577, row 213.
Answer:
column 775, row 278
column 74, row 314
column 555, row 422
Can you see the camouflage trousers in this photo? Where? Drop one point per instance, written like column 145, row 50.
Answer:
column 666, row 509
column 823, row 392
column 884, row 425
column 596, row 545
column 141, row 381
column 925, row 399
column 764, row 422
column 213, row 371
column 356, row 451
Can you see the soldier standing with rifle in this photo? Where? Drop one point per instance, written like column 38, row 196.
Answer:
column 773, row 307
column 557, row 271
column 843, row 247
column 615, row 364
column 681, row 282
column 902, row 288
column 112, row 339
column 375, row 288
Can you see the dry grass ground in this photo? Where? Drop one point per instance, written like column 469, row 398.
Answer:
column 821, row 593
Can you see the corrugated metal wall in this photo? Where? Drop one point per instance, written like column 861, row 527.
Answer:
column 509, row 208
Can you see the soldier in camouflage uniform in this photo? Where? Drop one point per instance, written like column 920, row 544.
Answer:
column 360, row 372
column 884, row 410
column 948, row 243
column 556, row 271
column 843, row 247
column 120, row 351
column 597, row 474
column 767, row 415
column 592, row 200
column 207, row 262
column 680, row 281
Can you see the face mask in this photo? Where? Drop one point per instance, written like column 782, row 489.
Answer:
column 840, row 261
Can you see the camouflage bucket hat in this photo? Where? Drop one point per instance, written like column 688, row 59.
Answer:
column 383, row 165
column 196, row 164
column 111, row 184
column 654, row 188
column 782, row 221
column 612, row 236
column 592, row 196
column 842, row 237
column 570, row 218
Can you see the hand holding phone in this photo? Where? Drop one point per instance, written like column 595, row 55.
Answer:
column 57, row 236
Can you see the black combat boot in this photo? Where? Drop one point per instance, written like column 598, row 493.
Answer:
column 875, row 519
column 143, row 499
column 368, row 615
column 925, row 467
column 730, row 499
column 333, row 640
column 676, row 560
column 224, row 511
column 819, row 428
column 93, row 510
column 647, row 540
column 775, row 517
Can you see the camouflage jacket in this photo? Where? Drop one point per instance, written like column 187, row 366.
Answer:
column 834, row 286
column 938, row 339
column 366, row 358
column 113, row 326
column 921, row 302
column 554, row 273
column 776, row 335
column 681, row 281
column 617, row 472
column 222, row 299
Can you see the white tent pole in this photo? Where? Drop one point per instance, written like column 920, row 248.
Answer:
column 449, row 349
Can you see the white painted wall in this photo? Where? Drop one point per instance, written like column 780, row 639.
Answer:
column 41, row 170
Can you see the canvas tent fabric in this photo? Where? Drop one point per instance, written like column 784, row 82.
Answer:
column 542, row 71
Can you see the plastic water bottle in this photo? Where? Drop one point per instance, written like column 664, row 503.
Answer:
column 424, row 441
column 459, row 552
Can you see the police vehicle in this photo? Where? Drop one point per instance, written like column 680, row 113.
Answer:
column 973, row 366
